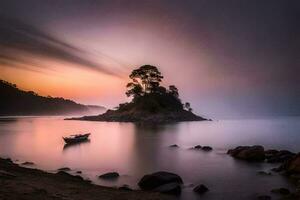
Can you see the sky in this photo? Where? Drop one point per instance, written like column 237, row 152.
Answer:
column 229, row 59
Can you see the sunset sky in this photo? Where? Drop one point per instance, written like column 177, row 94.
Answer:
column 228, row 58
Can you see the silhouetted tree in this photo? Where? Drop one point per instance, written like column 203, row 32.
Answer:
column 134, row 89
column 174, row 91
column 147, row 77
column 187, row 106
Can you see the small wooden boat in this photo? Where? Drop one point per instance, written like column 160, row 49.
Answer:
column 76, row 138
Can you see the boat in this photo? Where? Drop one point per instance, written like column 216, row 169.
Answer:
column 76, row 138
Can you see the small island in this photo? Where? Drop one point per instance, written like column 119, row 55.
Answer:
column 151, row 102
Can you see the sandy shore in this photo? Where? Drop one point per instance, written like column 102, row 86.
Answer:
column 24, row 183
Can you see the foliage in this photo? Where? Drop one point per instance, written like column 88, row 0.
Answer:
column 145, row 79
column 148, row 95
column 173, row 90
column 187, row 106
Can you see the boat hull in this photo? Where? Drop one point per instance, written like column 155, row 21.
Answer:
column 72, row 140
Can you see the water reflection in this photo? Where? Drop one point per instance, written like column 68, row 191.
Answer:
column 77, row 144
column 135, row 149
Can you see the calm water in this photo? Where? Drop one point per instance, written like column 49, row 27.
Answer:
column 134, row 150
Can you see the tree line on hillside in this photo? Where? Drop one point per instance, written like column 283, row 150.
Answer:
column 14, row 101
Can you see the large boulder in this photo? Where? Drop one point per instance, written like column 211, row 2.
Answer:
column 292, row 166
column 249, row 153
column 200, row 189
column 152, row 181
column 274, row 156
column 169, row 188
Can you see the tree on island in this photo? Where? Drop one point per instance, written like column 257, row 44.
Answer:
column 145, row 79
column 147, row 92
column 151, row 102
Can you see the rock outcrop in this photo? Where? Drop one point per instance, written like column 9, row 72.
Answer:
column 164, row 182
column 249, row 153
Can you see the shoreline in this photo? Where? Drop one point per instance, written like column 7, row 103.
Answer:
column 30, row 183
column 143, row 118
column 17, row 181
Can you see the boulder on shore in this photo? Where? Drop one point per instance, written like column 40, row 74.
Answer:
column 110, row 175
column 275, row 156
column 152, row 181
column 65, row 174
column 200, row 189
column 169, row 188
column 292, row 166
column 249, row 153
column 64, row 169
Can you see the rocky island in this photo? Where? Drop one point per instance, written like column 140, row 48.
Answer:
column 151, row 102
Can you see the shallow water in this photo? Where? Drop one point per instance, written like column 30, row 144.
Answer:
column 134, row 150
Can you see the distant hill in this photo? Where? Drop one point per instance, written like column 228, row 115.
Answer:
column 14, row 101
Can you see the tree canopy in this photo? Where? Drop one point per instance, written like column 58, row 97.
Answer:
column 145, row 79
column 145, row 82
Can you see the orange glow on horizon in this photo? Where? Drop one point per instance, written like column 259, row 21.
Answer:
column 65, row 80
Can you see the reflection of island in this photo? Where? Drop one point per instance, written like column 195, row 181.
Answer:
column 66, row 146
column 151, row 102
column 14, row 101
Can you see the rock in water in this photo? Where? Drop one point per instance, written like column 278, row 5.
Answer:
column 207, row 148
column 174, row 146
column 169, row 188
column 152, row 181
column 197, row 147
column 249, row 153
column 200, row 189
column 110, row 175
